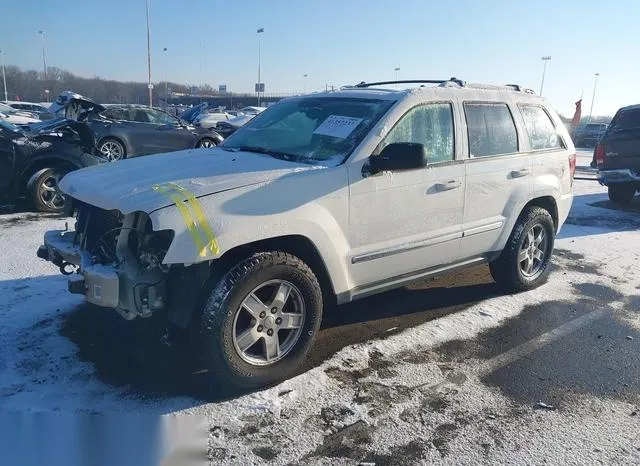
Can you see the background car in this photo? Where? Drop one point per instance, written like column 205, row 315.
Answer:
column 16, row 117
column 617, row 155
column 124, row 131
column 38, row 110
column 32, row 163
column 588, row 135
column 228, row 127
column 209, row 119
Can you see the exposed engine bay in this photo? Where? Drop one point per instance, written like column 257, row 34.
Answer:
column 117, row 259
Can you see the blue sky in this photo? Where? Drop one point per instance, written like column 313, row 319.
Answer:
column 340, row 42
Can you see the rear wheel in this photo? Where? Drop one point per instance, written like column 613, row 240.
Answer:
column 524, row 262
column 45, row 193
column 259, row 320
column 622, row 193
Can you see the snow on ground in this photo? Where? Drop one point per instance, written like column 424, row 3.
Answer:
column 401, row 399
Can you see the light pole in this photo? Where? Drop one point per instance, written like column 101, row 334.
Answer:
column 396, row 69
column 149, row 85
column 166, row 83
column 4, row 76
column 593, row 98
column 260, row 31
column 304, row 83
column 544, row 70
column 44, row 65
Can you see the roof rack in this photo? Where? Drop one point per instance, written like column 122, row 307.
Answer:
column 457, row 81
column 445, row 82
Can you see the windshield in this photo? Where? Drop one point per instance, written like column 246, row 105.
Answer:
column 314, row 130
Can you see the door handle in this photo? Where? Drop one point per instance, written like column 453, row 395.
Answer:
column 453, row 184
column 519, row 173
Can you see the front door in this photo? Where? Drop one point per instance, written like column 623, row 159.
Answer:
column 406, row 222
column 498, row 176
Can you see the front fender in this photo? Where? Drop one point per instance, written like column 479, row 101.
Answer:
column 316, row 209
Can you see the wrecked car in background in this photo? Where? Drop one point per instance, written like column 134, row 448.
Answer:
column 32, row 163
column 124, row 131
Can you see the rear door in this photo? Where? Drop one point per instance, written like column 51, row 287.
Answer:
column 622, row 140
column 170, row 134
column 498, row 175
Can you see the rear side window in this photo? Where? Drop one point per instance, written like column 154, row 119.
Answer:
column 430, row 125
column 491, row 129
column 627, row 119
column 542, row 133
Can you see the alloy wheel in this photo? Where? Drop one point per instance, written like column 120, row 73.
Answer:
column 533, row 251
column 50, row 194
column 112, row 150
column 268, row 323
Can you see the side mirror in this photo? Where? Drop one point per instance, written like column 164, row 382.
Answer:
column 399, row 156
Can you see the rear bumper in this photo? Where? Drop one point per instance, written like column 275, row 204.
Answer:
column 626, row 175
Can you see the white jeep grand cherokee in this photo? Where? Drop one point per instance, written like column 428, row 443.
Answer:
column 323, row 198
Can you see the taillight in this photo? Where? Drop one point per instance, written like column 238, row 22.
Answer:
column 572, row 166
column 600, row 155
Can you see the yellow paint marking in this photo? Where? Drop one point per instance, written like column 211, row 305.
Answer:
column 197, row 227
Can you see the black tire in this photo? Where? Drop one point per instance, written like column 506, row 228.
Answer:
column 112, row 149
column 206, row 143
column 507, row 270
column 44, row 193
column 622, row 193
column 214, row 329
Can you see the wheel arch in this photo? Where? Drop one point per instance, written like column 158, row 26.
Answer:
column 549, row 204
column 36, row 166
column 297, row 245
column 183, row 280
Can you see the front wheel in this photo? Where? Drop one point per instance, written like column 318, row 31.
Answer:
column 259, row 320
column 112, row 149
column 44, row 191
column 524, row 262
column 622, row 193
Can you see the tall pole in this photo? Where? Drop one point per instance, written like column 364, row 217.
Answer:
column 396, row 69
column 44, row 65
column 4, row 76
column 593, row 98
column 544, row 70
column 149, row 85
column 304, row 83
column 166, row 83
column 260, row 31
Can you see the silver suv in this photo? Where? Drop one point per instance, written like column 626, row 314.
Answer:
column 323, row 198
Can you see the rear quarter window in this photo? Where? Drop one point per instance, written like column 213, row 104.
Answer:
column 540, row 129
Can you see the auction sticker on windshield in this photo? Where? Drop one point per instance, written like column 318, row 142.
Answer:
column 338, row 126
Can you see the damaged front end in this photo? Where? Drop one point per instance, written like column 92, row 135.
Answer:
column 118, row 259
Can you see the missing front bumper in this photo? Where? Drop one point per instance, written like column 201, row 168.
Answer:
column 129, row 290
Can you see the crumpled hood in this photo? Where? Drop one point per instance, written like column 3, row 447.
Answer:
column 127, row 185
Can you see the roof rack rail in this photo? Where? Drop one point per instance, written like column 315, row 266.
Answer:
column 519, row 88
column 457, row 81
